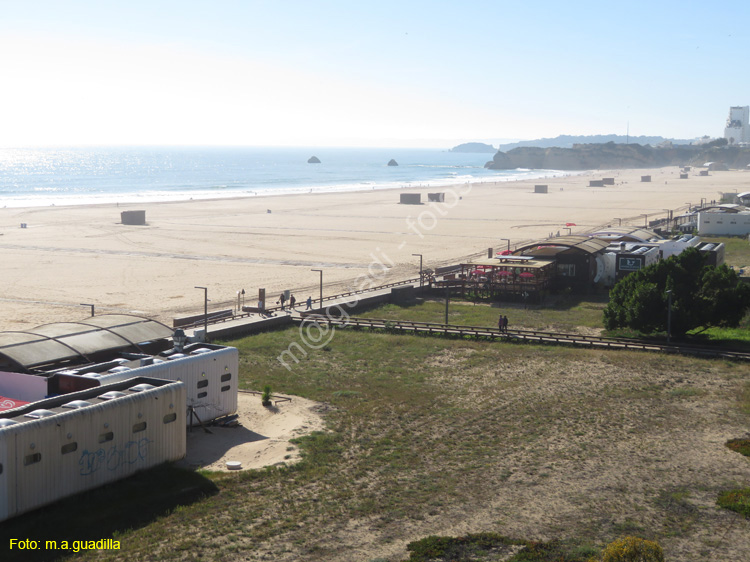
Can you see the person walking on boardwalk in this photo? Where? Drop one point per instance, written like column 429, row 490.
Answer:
column 500, row 323
column 292, row 301
column 281, row 300
column 505, row 323
column 309, row 303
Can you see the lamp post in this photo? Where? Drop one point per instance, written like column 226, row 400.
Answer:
column 508, row 241
column 321, row 285
column 619, row 221
column 447, row 300
column 669, row 315
column 570, row 230
column 91, row 305
column 421, row 282
column 205, row 311
column 645, row 220
column 669, row 217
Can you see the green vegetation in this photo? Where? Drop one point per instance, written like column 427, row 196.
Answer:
column 424, row 431
column 736, row 250
column 566, row 315
column 736, row 500
column 742, row 446
column 701, row 296
column 265, row 398
column 633, row 549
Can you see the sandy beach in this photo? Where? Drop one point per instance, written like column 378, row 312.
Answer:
column 67, row 256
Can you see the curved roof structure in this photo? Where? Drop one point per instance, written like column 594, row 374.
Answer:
column 561, row 243
column 615, row 233
column 64, row 341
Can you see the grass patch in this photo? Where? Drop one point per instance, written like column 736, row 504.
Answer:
column 422, row 432
column 736, row 249
column 736, row 500
column 741, row 446
column 568, row 317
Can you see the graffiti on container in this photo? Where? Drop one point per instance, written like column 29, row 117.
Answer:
column 114, row 457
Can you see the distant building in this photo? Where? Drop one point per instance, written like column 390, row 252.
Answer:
column 722, row 223
column 737, row 130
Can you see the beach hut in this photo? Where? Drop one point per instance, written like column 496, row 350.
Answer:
column 411, row 199
column 133, row 217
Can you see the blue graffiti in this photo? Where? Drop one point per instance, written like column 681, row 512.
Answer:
column 112, row 459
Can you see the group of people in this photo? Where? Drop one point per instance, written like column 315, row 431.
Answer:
column 502, row 323
column 293, row 301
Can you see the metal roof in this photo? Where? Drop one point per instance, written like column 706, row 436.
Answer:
column 582, row 243
column 62, row 341
column 640, row 234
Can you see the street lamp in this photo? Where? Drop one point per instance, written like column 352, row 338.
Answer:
column 447, row 300
column 570, row 230
column 645, row 217
column 321, row 285
column 421, row 282
column 669, row 315
column 91, row 305
column 507, row 240
column 205, row 311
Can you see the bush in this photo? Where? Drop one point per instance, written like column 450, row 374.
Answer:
column 266, row 396
column 632, row 549
column 736, row 500
column 742, row 446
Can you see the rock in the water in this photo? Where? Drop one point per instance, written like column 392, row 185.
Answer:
column 313, row 160
column 393, row 162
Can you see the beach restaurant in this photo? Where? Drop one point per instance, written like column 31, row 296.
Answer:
column 507, row 275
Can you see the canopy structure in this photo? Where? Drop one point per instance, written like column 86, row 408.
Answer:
column 551, row 246
column 66, row 341
column 626, row 234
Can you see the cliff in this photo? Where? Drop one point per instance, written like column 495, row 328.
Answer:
column 616, row 156
column 569, row 141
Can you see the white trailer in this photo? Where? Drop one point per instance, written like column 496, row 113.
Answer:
column 60, row 446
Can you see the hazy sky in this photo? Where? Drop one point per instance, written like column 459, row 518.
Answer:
column 407, row 73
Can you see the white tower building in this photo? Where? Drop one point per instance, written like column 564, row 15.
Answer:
column 738, row 125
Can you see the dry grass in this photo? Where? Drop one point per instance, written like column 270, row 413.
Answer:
column 432, row 436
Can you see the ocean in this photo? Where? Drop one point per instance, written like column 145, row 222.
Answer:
column 32, row 177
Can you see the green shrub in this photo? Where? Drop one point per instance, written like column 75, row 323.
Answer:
column 741, row 446
column 736, row 500
column 266, row 396
column 632, row 549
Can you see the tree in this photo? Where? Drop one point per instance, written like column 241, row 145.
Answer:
column 702, row 296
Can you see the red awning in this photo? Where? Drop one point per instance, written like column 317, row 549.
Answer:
column 526, row 274
column 570, row 224
column 10, row 403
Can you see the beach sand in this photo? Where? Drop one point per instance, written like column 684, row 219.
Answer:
column 67, row 256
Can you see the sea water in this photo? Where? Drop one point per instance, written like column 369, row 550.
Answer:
column 78, row 176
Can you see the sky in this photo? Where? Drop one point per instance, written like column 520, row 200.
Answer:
column 346, row 73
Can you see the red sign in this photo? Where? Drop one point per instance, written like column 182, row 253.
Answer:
column 10, row 403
